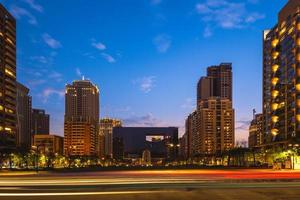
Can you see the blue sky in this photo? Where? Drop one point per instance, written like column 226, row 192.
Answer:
column 145, row 55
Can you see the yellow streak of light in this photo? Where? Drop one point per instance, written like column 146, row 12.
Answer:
column 76, row 193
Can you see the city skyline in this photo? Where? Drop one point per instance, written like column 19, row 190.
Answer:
column 135, row 93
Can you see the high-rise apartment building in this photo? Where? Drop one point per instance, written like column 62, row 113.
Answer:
column 216, row 126
column 105, row 132
column 222, row 80
column 256, row 131
column 81, row 125
column 24, row 108
column 210, row 129
column 8, row 88
column 40, row 122
column 281, row 77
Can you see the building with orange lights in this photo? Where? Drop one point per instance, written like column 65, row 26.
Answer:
column 81, row 125
column 281, row 77
column 8, row 84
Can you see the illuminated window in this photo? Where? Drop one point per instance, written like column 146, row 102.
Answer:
column 298, row 26
column 1, row 128
column 1, row 107
column 282, row 31
column 275, row 80
column 274, row 131
column 274, row 106
column 298, row 87
column 275, row 68
column 298, row 117
column 9, row 40
column 1, row 34
column 275, row 42
column 275, row 93
column 298, row 57
column 291, row 30
column 298, row 41
column 298, row 102
column 10, row 73
column 275, row 119
column 275, row 55
column 7, row 129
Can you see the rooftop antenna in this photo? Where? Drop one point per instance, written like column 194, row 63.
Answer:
column 254, row 112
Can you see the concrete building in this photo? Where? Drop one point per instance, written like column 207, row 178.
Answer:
column 81, row 127
column 216, row 128
column 24, row 103
column 129, row 143
column 222, row 80
column 40, row 122
column 8, row 84
column 105, row 132
column 281, row 78
column 49, row 144
column 256, row 131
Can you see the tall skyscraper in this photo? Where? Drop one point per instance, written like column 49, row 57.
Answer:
column 81, row 119
column 24, row 108
column 222, row 80
column 8, row 88
column 210, row 129
column 106, row 131
column 281, row 77
column 40, row 122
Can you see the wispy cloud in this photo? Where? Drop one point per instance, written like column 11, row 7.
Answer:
column 146, row 84
column 48, row 92
column 35, row 6
column 55, row 76
column 162, row 43
column 51, row 42
column 155, row 2
column 78, row 72
column 226, row 14
column 41, row 59
column 147, row 120
column 108, row 57
column 98, row 45
column 19, row 13
column 188, row 103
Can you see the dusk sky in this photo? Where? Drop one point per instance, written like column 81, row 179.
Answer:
column 146, row 56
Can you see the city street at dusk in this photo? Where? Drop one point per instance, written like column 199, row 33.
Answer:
column 173, row 184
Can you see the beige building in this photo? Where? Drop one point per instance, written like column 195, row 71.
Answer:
column 49, row 144
column 81, row 119
column 216, row 126
column 105, row 134
column 8, row 87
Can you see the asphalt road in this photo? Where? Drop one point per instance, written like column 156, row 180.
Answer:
column 152, row 184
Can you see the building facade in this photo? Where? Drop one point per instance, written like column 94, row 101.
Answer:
column 255, row 138
column 281, row 77
column 24, row 107
column 210, row 129
column 81, row 126
column 49, row 144
column 129, row 143
column 8, row 87
column 105, row 132
column 40, row 122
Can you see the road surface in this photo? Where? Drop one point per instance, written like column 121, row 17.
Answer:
column 152, row 184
